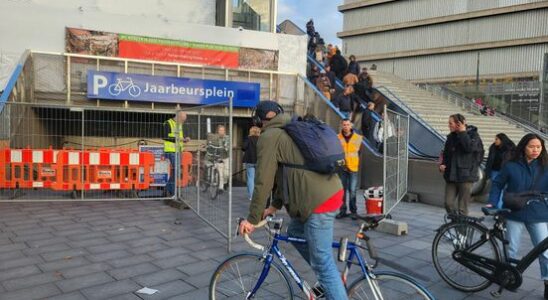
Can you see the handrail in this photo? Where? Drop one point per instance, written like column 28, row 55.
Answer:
column 336, row 110
column 160, row 63
column 465, row 102
column 408, row 110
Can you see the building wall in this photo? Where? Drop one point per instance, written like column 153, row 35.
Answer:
column 40, row 25
column 511, row 37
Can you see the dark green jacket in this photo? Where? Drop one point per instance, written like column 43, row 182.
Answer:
column 305, row 190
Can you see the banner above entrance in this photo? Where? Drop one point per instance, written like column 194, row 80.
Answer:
column 137, row 87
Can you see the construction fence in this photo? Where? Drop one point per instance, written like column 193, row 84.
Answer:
column 395, row 151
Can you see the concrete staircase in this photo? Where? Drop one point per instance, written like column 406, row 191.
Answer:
column 435, row 110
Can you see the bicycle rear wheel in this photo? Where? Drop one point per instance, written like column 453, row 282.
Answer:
column 238, row 275
column 454, row 236
column 392, row 286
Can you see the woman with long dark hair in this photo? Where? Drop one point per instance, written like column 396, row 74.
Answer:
column 499, row 153
column 527, row 171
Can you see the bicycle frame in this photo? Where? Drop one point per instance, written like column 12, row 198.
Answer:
column 274, row 250
column 476, row 262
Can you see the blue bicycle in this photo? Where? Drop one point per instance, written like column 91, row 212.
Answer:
column 258, row 276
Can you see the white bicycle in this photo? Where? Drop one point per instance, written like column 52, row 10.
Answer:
column 120, row 86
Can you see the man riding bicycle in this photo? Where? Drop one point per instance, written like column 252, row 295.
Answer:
column 217, row 154
column 311, row 199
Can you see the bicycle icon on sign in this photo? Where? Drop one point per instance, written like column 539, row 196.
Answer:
column 120, row 86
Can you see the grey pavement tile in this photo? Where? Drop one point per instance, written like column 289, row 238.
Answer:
column 126, row 237
column 121, row 229
column 109, row 290
column 144, row 241
column 168, row 252
column 63, row 264
column 202, row 293
column 36, row 292
column 19, row 272
column 18, row 262
column 32, row 237
column 199, row 281
column 106, row 248
column 11, row 255
column 31, row 280
column 132, row 271
column 70, row 232
column 46, row 249
column 128, row 296
column 168, row 290
column 87, row 236
column 199, row 267
column 46, row 242
column 129, row 260
column 50, row 256
column 33, row 230
column 149, row 248
column 80, row 282
column 12, row 247
column 88, row 242
column 159, row 277
column 84, row 269
column 174, row 261
column 69, row 296
column 104, row 256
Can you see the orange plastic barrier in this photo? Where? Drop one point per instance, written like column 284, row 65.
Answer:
column 103, row 169
column 185, row 176
column 27, row 168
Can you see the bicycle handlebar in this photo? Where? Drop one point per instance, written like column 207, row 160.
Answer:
column 249, row 240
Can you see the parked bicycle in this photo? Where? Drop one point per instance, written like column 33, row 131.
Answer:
column 467, row 254
column 210, row 181
column 259, row 276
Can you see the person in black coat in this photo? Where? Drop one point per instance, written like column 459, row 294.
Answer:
column 462, row 155
column 250, row 158
column 353, row 66
column 368, row 123
column 338, row 64
column 344, row 102
column 499, row 153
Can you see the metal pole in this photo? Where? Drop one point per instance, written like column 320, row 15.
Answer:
column 477, row 72
column 176, row 168
column 398, row 158
column 230, row 157
column 198, row 166
column 82, row 156
column 68, row 80
column 383, row 124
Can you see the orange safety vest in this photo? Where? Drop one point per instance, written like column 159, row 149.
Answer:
column 351, row 151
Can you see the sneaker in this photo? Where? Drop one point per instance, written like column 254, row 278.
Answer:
column 353, row 216
column 341, row 215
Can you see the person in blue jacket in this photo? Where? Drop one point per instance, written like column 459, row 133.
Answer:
column 526, row 171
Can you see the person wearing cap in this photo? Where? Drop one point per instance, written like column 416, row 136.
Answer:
column 311, row 199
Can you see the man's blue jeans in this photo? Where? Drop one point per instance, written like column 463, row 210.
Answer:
column 537, row 231
column 250, row 170
column 171, row 180
column 350, row 183
column 318, row 252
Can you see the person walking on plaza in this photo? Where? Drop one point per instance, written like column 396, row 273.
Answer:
column 173, row 134
column 527, row 171
column 351, row 143
column 499, row 153
column 462, row 156
column 311, row 199
column 217, row 152
column 250, row 158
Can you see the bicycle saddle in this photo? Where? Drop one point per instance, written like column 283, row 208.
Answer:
column 493, row 211
column 371, row 218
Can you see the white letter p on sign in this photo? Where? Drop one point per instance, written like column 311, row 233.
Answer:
column 99, row 81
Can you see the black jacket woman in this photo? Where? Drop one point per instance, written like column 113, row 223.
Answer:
column 499, row 153
column 527, row 171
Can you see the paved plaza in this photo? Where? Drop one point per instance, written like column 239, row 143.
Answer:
column 109, row 250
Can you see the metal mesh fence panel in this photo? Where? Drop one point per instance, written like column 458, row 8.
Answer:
column 395, row 128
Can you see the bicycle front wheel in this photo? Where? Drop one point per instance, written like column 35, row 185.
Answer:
column 236, row 277
column 456, row 236
column 391, row 286
column 214, row 186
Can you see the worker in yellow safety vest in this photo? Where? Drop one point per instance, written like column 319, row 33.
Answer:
column 173, row 135
column 351, row 143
